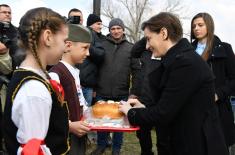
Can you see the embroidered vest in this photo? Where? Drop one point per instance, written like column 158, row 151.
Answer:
column 57, row 136
column 69, row 85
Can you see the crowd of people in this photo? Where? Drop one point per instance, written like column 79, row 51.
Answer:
column 52, row 69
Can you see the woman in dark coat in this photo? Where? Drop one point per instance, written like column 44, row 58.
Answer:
column 221, row 59
column 186, row 103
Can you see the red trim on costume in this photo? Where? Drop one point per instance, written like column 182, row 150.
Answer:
column 33, row 147
column 57, row 87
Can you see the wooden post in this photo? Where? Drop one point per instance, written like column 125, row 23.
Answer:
column 96, row 7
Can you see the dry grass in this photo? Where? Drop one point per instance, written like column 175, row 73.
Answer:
column 130, row 145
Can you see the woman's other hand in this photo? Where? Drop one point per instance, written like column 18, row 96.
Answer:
column 136, row 103
column 124, row 107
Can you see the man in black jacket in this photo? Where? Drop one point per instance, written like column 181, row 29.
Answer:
column 8, row 47
column 8, row 34
column 114, row 77
column 89, row 68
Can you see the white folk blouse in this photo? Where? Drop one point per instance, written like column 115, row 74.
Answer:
column 31, row 111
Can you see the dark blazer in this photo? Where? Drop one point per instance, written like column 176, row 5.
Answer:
column 186, row 104
column 222, row 63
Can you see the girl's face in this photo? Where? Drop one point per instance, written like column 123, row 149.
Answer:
column 155, row 42
column 57, row 46
column 199, row 28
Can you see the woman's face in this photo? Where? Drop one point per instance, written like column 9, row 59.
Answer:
column 155, row 42
column 199, row 28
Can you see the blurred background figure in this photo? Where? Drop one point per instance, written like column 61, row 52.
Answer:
column 8, row 61
column 75, row 16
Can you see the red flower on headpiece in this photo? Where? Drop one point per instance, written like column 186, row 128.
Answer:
column 57, row 87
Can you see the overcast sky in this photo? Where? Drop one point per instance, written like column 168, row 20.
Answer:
column 222, row 11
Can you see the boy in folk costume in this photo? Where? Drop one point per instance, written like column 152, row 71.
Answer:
column 65, row 72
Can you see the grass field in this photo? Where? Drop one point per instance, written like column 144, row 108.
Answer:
column 130, row 145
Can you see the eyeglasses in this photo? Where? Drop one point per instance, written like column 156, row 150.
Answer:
column 6, row 12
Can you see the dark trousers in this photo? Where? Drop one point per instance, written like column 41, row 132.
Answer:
column 78, row 145
column 163, row 141
column 145, row 140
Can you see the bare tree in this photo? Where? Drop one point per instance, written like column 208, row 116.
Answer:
column 176, row 7
column 130, row 11
column 134, row 12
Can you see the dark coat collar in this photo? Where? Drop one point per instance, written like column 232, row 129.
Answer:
column 218, row 51
column 176, row 51
column 110, row 38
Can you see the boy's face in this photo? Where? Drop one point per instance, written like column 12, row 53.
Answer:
column 78, row 51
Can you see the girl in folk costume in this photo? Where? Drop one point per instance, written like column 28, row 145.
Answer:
column 65, row 72
column 36, row 117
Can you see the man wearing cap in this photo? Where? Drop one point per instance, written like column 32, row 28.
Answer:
column 65, row 72
column 114, row 78
column 89, row 68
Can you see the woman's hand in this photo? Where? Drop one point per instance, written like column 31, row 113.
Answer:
column 79, row 128
column 216, row 97
column 135, row 103
column 124, row 107
column 131, row 103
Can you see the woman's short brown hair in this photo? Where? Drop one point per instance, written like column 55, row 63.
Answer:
column 165, row 20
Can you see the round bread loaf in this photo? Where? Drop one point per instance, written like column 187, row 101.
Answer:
column 103, row 109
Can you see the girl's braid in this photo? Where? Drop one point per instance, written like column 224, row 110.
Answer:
column 34, row 32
